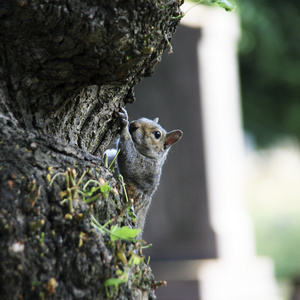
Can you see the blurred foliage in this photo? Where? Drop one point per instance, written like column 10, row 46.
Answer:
column 227, row 5
column 279, row 239
column 273, row 194
column 270, row 82
column 270, row 68
column 224, row 4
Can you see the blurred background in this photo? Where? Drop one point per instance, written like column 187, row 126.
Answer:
column 225, row 222
column 269, row 57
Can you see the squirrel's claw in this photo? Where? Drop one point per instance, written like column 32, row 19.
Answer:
column 123, row 116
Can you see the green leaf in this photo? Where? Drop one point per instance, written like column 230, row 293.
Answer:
column 115, row 281
column 91, row 191
column 224, row 4
column 124, row 233
column 105, row 189
column 136, row 259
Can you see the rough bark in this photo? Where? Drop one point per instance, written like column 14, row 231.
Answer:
column 66, row 67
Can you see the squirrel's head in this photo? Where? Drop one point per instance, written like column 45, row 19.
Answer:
column 150, row 139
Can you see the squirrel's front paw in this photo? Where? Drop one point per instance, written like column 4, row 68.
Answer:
column 123, row 116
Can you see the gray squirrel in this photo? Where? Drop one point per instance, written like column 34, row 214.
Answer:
column 144, row 146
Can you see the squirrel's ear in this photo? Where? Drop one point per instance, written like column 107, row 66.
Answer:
column 156, row 120
column 172, row 138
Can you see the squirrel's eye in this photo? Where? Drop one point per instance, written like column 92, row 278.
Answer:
column 157, row 134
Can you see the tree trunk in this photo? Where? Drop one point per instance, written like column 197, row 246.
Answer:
column 66, row 68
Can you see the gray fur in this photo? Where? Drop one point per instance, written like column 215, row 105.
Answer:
column 141, row 159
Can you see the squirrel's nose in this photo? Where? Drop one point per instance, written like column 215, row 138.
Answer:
column 132, row 127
